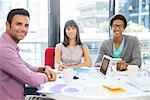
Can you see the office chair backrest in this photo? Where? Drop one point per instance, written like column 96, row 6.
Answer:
column 50, row 57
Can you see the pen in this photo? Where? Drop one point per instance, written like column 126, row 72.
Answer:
column 133, row 85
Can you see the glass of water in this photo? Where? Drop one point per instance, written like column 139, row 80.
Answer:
column 143, row 79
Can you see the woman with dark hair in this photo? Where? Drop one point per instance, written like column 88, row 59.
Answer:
column 70, row 52
column 120, row 46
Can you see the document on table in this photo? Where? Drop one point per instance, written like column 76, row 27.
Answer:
column 54, row 88
column 73, row 89
column 62, row 88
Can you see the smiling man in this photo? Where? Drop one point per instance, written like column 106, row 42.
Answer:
column 120, row 46
column 14, row 71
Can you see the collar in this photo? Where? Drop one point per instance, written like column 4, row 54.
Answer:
column 10, row 41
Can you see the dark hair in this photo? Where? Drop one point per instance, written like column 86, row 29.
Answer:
column 71, row 23
column 16, row 11
column 120, row 17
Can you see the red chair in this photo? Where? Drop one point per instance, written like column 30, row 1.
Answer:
column 50, row 57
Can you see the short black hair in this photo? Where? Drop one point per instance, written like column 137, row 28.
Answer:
column 13, row 12
column 120, row 17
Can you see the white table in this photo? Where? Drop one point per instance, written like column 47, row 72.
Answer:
column 93, row 90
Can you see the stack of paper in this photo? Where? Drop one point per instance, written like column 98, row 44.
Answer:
column 113, row 86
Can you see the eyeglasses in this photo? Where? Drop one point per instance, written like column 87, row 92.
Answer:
column 115, row 26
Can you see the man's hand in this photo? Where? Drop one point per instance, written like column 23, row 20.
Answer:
column 122, row 65
column 50, row 74
column 48, row 71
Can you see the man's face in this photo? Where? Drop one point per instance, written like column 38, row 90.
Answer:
column 117, row 27
column 18, row 28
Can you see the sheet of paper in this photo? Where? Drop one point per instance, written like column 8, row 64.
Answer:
column 62, row 88
column 73, row 89
column 55, row 88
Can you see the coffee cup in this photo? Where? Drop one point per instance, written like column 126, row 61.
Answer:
column 68, row 75
column 132, row 72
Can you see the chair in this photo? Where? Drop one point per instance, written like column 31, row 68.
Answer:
column 36, row 97
column 50, row 57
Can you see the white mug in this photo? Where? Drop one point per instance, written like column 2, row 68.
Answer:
column 68, row 75
column 132, row 72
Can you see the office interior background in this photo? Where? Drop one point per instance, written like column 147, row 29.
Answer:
column 49, row 16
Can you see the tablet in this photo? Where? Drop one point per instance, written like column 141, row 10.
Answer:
column 105, row 64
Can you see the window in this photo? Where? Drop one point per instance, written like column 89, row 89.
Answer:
column 34, row 44
column 138, row 15
column 92, row 17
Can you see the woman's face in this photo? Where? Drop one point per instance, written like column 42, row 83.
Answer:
column 71, row 32
column 117, row 27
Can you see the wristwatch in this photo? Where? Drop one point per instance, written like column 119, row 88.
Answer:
column 41, row 69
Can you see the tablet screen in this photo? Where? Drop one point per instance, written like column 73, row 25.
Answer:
column 104, row 65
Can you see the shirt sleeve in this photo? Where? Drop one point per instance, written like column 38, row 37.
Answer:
column 59, row 45
column 85, row 46
column 136, row 53
column 16, row 68
column 100, row 55
column 33, row 68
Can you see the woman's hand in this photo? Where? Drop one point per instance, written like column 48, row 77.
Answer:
column 62, row 67
column 122, row 65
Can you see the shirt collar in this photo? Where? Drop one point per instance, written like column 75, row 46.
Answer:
column 11, row 41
